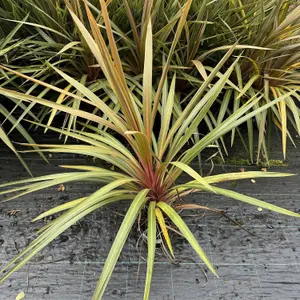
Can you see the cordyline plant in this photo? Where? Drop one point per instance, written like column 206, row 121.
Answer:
column 148, row 162
column 47, row 34
column 9, row 44
column 43, row 38
column 270, row 72
column 52, row 36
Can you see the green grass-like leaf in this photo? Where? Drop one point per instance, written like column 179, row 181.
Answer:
column 176, row 219
column 119, row 242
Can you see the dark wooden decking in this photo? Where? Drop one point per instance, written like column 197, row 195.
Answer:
column 265, row 265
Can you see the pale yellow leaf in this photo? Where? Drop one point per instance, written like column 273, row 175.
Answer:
column 20, row 296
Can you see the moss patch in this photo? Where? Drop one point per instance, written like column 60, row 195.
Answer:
column 246, row 162
column 232, row 161
column 273, row 163
column 238, row 161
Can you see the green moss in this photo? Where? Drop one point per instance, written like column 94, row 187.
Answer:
column 217, row 160
column 238, row 161
column 232, row 161
column 246, row 162
column 272, row 163
column 234, row 184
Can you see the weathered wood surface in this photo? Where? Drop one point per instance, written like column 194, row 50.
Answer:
column 263, row 266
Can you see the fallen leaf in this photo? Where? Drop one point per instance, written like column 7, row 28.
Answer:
column 259, row 209
column 13, row 211
column 20, row 296
column 264, row 169
column 61, row 188
column 253, row 181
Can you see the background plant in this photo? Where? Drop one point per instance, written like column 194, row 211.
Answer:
column 266, row 33
column 270, row 72
column 8, row 45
